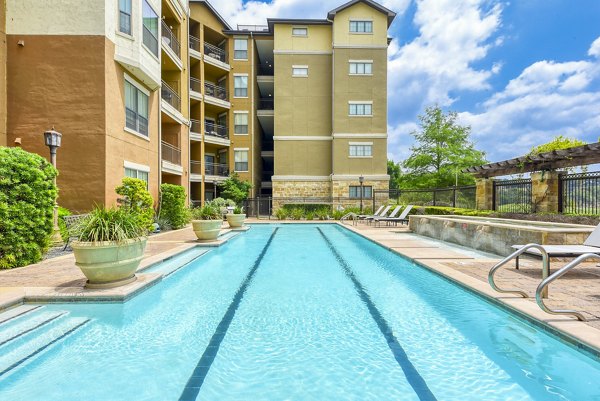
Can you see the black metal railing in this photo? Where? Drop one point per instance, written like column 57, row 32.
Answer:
column 170, row 40
column 215, row 52
column 221, row 170
column 169, row 94
column 171, row 153
column 213, row 129
column 461, row 197
column 513, row 196
column 195, row 85
column 266, row 104
column 579, row 193
column 150, row 41
column 215, row 91
column 265, row 69
column 195, row 43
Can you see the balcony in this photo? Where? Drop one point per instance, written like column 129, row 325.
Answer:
column 217, row 130
column 195, row 45
column 170, row 40
column 195, row 126
column 216, row 169
column 266, row 104
column 215, row 52
column 265, row 70
column 169, row 95
column 171, row 153
column 255, row 28
column 195, row 88
column 215, row 91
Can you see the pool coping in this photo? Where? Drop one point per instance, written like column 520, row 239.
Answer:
column 573, row 332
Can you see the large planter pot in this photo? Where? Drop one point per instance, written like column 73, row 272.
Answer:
column 207, row 230
column 109, row 264
column 235, row 220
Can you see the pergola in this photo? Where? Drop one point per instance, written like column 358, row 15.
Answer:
column 571, row 157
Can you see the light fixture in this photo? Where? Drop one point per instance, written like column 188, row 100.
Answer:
column 53, row 140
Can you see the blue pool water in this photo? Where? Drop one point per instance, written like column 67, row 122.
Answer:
column 290, row 312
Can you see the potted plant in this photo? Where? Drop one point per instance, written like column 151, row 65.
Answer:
column 206, row 222
column 236, row 219
column 109, row 247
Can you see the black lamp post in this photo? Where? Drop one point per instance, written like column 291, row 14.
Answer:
column 361, row 180
column 52, row 139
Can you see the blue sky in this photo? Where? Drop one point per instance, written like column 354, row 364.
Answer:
column 519, row 72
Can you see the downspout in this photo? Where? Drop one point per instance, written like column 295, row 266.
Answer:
column 253, row 113
column 332, row 103
column 189, row 144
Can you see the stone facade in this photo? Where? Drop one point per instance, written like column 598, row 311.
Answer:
column 484, row 194
column 544, row 191
column 299, row 189
column 340, row 192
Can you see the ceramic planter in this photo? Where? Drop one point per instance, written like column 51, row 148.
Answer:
column 109, row 264
column 207, row 230
column 235, row 220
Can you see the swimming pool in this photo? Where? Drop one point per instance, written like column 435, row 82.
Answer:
column 290, row 312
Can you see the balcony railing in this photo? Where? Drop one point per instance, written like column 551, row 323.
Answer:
column 217, row 130
column 255, row 28
column 170, row 95
column 221, row 170
column 266, row 104
column 266, row 69
column 195, row 85
column 215, row 52
column 195, row 43
column 171, row 153
column 195, row 167
column 215, row 91
column 195, row 126
column 170, row 40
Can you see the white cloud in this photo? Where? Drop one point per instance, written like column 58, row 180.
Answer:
column 595, row 48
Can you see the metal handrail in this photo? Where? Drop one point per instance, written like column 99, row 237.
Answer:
column 195, row 84
column 217, row 91
column 170, row 95
column 170, row 40
column 348, row 216
column 518, row 252
column 543, row 287
column 215, row 52
column 194, row 43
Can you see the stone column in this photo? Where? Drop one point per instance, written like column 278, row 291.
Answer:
column 544, row 191
column 484, row 193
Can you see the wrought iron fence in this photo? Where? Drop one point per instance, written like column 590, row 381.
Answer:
column 579, row 193
column 513, row 196
column 462, row 197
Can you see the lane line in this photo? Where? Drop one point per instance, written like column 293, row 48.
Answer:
column 412, row 375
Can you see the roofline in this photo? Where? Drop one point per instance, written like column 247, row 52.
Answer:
column 390, row 14
column 215, row 12
column 295, row 21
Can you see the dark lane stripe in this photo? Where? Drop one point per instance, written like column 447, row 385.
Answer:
column 192, row 388
column 22, row 333
column 412, row 375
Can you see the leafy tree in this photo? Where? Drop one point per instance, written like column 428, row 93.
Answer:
column 442, row 149
column 393, row 170
column 137, row 199
column 235, row 189
column 559, row 142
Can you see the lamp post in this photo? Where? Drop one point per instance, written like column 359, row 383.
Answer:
column 361, row 180
column 215, row 189
column 52, row 139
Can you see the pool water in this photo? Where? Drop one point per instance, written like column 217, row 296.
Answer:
column 290, row 312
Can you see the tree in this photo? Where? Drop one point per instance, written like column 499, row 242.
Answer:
column 393, row 170
column 442, row 149
column 235, row 189
column 559, row 142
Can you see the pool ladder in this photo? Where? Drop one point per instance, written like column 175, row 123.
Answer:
column 347, row 216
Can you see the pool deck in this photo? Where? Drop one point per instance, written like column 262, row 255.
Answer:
column 60, row 280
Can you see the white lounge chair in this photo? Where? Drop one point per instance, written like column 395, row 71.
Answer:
column 383, row 213
column 392, row 214
column 364, row 216
column 391, row 219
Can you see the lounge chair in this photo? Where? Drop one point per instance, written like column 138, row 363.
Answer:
column 383, row 213
column 364, row 216
column 391, row 219
column 382, row 216
column 590, row 245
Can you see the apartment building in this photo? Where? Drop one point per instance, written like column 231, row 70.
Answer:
column 168, row 91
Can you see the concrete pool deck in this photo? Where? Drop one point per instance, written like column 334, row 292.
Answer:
column 60, row 280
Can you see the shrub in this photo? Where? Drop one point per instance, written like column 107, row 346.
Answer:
column 172, row 206
column 322, row 213
column 296, row 213
column 310, row 215
column 238, row 210
column 222, row 202
column 62, row 213
column 137, row 200
column 207, row 212
column 235, row 189
column 281, row 213
column 27, row 195
column 111, row 224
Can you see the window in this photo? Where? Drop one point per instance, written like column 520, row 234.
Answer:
column 136, row 109
column 355, row 191
column 361, row 26
column 300, row 71
column 150, row 37
column 363, row 150
column 125, row 16
column 360, row 109
column 134, row 173
column 240, row 123
column 240, row 49
column 361, row 68
column 299, row 31
column 240, row 85
column 241, row 160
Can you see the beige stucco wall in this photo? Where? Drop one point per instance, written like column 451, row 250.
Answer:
column 317, row 40
column 302, row 158
column 360, row 11
column 3, row 73
column 344, row 164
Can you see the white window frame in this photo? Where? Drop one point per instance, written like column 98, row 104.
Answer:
column 363, row 20
column 138, row 168
column 364, row 63
column 146, row 92
column 247, row 122
column 247, row 85
column 235, row 39
column 247, row 150
column 360, row 103
column 295, row 73
column 301, row 35
column 357, row 146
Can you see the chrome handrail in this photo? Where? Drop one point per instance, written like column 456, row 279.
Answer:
column 556, row 275
column 348, row 216
column 518, row 252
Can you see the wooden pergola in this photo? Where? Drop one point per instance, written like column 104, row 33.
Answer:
column 571, row 157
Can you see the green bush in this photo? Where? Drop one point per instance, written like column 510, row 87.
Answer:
column 27, row 195
column 281, row 213
column 306, row 207
column 206, row 212
column 323, row 213
column 62, row 213
column 222, row 202
column 137, row 200
column 443, row 210
column 296, row 213
column 111, row 224
column 173, row 212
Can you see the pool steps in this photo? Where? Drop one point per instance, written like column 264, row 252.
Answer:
column 32, row 331
column 16, row 312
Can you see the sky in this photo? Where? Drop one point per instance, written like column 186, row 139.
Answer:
column 517, row 72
